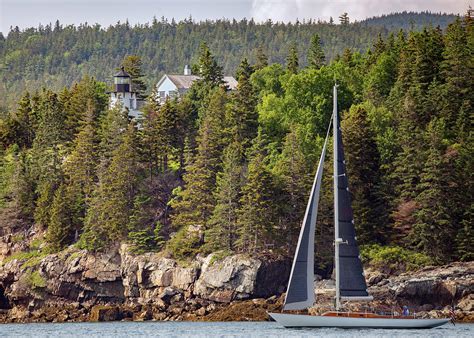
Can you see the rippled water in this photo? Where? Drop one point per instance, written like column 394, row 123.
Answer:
column 215, row 329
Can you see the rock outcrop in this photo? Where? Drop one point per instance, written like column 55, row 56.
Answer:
column 77, row 285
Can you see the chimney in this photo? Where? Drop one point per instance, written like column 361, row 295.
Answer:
column 187, row 70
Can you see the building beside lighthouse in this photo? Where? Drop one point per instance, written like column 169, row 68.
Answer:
column 124, row 95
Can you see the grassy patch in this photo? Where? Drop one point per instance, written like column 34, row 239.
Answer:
column 393, row 258
column 35, row 280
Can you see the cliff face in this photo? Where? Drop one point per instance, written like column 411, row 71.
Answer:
column 158, row 284
column 78, row 286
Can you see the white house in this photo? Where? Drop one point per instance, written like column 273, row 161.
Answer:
column 124, row 94
column 174, row 85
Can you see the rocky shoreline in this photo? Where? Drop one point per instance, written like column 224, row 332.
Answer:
column 73, row 286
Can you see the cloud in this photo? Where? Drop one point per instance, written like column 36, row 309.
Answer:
column 290, row 10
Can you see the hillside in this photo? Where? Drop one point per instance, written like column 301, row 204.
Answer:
column 410, row 20
column 55, row 56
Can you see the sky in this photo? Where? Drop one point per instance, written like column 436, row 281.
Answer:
column 31, row 13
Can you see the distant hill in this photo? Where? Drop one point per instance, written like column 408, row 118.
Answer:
column 409, row 20
column 56, row 55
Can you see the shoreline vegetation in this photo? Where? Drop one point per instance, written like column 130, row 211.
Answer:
column 198, row 203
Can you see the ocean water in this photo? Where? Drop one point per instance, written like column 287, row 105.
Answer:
column 213, row 329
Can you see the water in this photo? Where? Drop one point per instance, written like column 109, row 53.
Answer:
column 214, row 329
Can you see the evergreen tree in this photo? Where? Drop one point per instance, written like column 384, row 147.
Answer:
column 133, row 66
column 262, row 59
column 465, row 237
column 222, row 233
column 209, row 71
column 292, row 62
column 108, row 217
column 458, row 71
column 295, row 179
column 244, row 104
column 433, row 230
column 316, row 56
column 256, row 214
column 344, row 19
column 196, row 201
column 363, row 169
column 60, row 230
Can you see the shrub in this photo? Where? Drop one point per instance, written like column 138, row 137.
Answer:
column 393, row 258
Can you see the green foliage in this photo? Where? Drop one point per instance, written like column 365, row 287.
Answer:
column 35, row 280
column 316, row 58
column 196, row 173
column 393, row 258
column 146, row 240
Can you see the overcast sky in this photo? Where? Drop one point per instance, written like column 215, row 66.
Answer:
column 30, row 13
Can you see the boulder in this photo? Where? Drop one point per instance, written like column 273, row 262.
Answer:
column 236, row 273
column 105, row 313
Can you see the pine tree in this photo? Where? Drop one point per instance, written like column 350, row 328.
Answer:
column 244, row 107
column 262, row 59
column 133, row 66
column 433, row 230
column 363, row 169
column 222, row 233
column 256, row 214
column 196, row 202
column 108, row 217
column 465, row 237
column 61, row 229
column 344, row 19
column 292, row 62
column 209, row 71
column 316, row 56
column 295, row 179
column 458, row 72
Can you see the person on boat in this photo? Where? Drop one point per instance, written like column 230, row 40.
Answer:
column 406, row 312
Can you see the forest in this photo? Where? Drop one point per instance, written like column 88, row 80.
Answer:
column 230, row 171
column 55, row 56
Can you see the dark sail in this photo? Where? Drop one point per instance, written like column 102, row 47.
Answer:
column 351, row 277
column 300, row 293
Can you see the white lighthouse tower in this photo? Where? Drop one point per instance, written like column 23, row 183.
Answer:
column 124, row 95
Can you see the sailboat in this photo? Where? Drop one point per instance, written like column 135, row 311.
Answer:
column 349, row 276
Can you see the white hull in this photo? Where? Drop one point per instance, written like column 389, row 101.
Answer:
column 291, row 320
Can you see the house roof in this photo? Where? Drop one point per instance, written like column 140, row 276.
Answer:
column 185, row 81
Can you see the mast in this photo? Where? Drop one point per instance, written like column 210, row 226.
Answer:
column 337, row 240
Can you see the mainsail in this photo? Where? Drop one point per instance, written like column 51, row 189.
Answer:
column 350, row 280
column 300, row 293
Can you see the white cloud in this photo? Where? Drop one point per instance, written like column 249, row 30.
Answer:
column 290, row 10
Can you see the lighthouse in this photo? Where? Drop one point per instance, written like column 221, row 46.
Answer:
column 124, row 95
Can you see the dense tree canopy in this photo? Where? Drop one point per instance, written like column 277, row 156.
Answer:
column 231, row 170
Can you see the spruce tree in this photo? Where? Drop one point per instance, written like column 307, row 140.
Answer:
column 316, row 56
column 295, row 178
column 262, row 59
column 108, row 217
column 292, row 62
column 363, row 169
column 195, row 202
column 133, row 65
column 222, row 233
column 209, row 71
column 433, row 231
column 61, row 229
column 244, row 107
column 256, row 225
